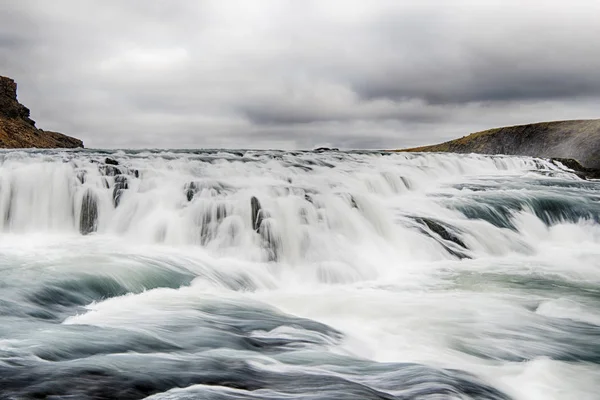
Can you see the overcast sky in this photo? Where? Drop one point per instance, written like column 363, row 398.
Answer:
column 298, row 74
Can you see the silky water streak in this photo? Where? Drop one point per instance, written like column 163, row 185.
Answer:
column 277, row 275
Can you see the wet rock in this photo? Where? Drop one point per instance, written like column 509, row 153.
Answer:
column 88, row 221
column 406, row 182
column 270, row 239
column 109, row 170
column 111, row 161
column 81, row 176
column 442, row 232
column 121, row 184
column 212, row 216
column 580, row 170
column 256, row 213
column 190, row 190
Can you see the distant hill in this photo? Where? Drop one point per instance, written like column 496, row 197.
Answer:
column 17, row 130
column 579, row 140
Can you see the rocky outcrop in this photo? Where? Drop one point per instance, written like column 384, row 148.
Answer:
column 18, row 130
column 580, row 170
column 578, row 140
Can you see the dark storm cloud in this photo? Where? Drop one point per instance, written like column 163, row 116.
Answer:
column 282, row 73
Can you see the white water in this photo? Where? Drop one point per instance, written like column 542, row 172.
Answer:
column 342, row 242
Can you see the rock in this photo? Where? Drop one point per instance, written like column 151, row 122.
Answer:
column 211, row 217
column 111, row 161
column 324, row 149
column 441, row 231
column 18, row 130
column 190, row 190
column 81, row 176
column 580, row 170
column 109, row 170
column 445, row 234
column 271, row 241
column 120, row 185
column 256, row 213
column 88, row 221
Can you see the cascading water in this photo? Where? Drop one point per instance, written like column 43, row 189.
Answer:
column 279, row 275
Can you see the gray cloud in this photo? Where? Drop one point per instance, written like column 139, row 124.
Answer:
column 283, row 73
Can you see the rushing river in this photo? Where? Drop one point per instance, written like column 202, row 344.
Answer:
column 296, row 275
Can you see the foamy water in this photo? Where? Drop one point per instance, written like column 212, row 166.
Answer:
column 280, row 275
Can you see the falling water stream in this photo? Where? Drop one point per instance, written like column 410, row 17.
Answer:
column 296, row 275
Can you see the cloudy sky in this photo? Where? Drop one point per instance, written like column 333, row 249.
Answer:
column 298, row 73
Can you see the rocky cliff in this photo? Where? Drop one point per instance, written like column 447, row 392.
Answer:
column 17, row 130
column 578, row 140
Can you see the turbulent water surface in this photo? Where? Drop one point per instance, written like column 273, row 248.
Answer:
column 296, row 275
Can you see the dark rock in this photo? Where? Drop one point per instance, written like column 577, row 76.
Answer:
column 81, row 176
column 270, row 239
column 256, row 213
column 440, row 230
column 88, row 221
column 324, row 149
column 193, row 188
column 444, row 234
column 17, row 130
column 580, row 170
column 109, row 170
column 210, row 219
column 120, row 185
column 111, row 161
column 190, row 190
column 406, row 182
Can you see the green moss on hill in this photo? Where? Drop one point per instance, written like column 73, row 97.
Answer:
column 579, row 139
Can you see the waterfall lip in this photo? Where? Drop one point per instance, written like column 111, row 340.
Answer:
column 249, row 274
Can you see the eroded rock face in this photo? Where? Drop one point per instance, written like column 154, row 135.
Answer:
column 18, row 130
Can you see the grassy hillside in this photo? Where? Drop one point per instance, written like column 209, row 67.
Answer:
column 579, row 140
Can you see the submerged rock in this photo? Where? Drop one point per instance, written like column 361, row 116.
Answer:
column 88, row 221
column 120, row 185
column 445, row 234
column 256, row 213
column 190, row 190
column 580, row 170
column 270, row 239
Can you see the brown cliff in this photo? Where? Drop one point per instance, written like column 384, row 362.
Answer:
column 17, row 130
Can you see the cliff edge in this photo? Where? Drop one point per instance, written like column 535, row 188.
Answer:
column 578, row 140
column 17, row 130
